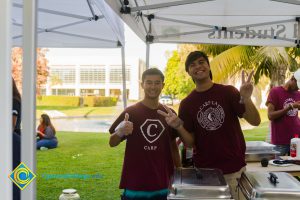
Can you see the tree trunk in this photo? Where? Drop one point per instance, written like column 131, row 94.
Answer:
column 278, row 75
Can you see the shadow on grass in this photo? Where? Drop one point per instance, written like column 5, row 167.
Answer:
column 89, row 112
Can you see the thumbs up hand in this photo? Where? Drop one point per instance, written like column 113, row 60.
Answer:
column 126, row 117
column 125, row 127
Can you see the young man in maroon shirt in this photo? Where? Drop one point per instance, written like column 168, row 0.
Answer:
column 283, row 104
column 151, row 151
column 210, row 114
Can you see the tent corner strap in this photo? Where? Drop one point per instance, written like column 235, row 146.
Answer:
column 125, row 9
column 149, row 38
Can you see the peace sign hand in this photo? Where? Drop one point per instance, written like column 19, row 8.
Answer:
column 246, row 88
column 171, row 118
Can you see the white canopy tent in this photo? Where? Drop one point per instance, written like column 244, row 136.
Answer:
column 236, row 22
column 45, row 23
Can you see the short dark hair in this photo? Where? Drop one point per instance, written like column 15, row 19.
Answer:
column 194, row 56
column 152, row 71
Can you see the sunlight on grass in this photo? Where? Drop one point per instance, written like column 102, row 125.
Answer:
column 257, row 134
column 260, row 132
column 80, row 155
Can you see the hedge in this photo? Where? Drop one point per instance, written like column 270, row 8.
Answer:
column 94, row 101
column 74, row 101
column 58, row 101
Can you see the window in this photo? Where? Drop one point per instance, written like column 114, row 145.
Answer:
column 92, row 92
column 43, row 91
column 65, row 75
column 66, row 92
column 92, row 75
column 116, row 74
column 114, row 92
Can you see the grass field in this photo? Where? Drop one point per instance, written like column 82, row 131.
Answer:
column 85, row 161
column 257, row 134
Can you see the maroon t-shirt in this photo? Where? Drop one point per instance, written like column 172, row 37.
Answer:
column 284, row 128
column 212, row 116
column 148, row 163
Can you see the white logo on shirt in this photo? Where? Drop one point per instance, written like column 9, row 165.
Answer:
column 292, row 112
column 211, row 116
column 152, row 129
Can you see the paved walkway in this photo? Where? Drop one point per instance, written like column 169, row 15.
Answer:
column 54, row 113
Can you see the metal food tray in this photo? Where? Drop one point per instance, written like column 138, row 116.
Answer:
column 259, row 146
column 269, row 185
column 257, row 156
column 198, row 183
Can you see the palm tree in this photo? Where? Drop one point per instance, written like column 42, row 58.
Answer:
column 273, row 62
column 228, row 61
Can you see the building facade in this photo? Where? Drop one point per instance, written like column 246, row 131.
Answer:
column 92, row 75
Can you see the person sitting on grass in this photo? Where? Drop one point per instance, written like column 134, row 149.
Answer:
column 46, row 133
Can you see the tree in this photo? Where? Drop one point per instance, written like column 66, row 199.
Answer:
column 16, row 62
column 272, row 62
column 177, row 82
column 227, row 61
column 42, row 67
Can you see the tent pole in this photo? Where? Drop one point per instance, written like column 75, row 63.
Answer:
column 6, row 100
column 124, row 93
column 147, row 54
column 28, row 140
column 298, row 33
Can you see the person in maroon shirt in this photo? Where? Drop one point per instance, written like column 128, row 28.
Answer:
column 210, row 114
column 151, row 151
column 283, row 103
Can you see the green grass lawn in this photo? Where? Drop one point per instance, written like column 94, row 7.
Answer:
column 257, row 134
column 83, row 161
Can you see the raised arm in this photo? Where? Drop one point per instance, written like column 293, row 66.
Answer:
column 251, row 114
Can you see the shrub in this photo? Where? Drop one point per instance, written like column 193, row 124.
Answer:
column 96, row 101
column 58, row 101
